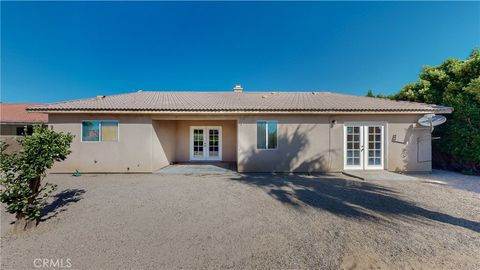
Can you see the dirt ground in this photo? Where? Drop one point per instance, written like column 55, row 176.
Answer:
column 249, row 221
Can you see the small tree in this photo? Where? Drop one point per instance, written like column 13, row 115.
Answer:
column 23, row 171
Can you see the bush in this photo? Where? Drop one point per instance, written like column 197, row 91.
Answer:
column 454, row 83
column 22, row 172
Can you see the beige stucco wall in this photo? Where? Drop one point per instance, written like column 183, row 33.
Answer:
column 144, row 145
column 164, row 143
column 305, row 143
column 132, row 153
column 311, row 143
column 401, row 141
column 229, row 138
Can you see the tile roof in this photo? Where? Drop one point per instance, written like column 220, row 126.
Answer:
column 17, row 113
column 163, row 101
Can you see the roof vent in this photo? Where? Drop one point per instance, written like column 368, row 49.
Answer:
column 238, row 88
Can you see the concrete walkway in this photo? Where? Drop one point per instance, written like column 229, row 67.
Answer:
column 379, row 175
column 198, row 169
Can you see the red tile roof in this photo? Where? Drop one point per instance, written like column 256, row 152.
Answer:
column 163, row 101
column 17, row 113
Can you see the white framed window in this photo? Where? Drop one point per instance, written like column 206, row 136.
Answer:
column 267, row 134
column 99, row 131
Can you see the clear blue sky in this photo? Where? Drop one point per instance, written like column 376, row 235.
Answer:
column 60, row 51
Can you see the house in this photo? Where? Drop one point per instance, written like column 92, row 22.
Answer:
column 14, row 118
column 259, row 131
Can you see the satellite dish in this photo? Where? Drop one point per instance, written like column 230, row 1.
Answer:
column 431, row 120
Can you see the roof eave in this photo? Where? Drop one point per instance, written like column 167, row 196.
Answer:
column 446, row 110
column 23, row 123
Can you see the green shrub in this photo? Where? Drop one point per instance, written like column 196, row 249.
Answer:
column 454, row 83
column 22, row 172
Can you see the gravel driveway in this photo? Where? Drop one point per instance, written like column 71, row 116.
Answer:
column 253, row 221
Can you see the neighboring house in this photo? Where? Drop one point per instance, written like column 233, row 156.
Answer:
column 260, row 132
column 14, row 118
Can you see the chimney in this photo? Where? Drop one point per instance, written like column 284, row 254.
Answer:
column 238, row 88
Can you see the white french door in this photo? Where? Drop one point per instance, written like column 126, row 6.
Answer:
column 205, row 143
column 364, row 147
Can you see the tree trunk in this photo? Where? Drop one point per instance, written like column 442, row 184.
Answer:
column 34, row 186
column 23, row 224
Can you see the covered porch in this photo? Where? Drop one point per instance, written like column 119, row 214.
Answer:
column 193, row 140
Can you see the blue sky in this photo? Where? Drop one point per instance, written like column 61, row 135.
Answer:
column 66, row 50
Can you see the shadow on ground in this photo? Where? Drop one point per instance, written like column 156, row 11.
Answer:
column 351, row 199
column 61, row 200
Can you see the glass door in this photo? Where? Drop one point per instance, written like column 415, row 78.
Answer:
column 205, row 143
column 353, row 147
column 374, row 147
column 198, row 138
column 213, row 144
column 364, row 147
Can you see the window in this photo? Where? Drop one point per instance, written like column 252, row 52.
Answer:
column 20, row 131
column 96, row 131
column 109, row 131
column 267, row 135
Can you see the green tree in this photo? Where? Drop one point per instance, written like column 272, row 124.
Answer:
column 370, row 93
column 454, row 83
column 22, row 173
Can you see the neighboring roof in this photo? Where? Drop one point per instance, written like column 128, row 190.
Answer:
column 17, row 113
column 162, row 101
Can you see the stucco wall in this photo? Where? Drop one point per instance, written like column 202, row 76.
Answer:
column 311, row 143
column 305, row 143
column 144, row 145
column 164, row 143
column 401, row 140
column 132, row 153
column 229, row 138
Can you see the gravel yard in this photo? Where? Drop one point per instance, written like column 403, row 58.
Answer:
column 250, row 221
